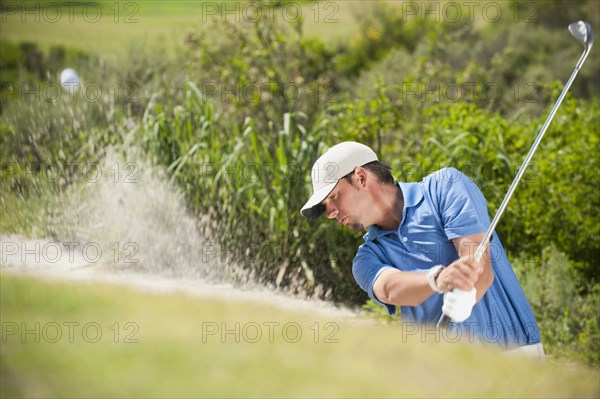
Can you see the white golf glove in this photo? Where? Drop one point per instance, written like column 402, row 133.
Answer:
column 458, row 304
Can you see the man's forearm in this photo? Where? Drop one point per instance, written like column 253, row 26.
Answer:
column 402, row 288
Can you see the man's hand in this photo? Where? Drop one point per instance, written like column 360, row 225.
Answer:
column 458, row 304
column 464, row 281
column 462, row 274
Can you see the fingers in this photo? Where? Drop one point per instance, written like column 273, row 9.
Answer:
column 459, row 304
column 461, row 274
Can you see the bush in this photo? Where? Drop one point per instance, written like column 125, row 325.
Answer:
column 264, row 69
column 568, row 320
column 503, row 66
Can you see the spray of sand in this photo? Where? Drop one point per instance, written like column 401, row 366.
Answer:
column 128, row 211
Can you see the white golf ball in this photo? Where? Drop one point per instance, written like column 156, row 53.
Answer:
column 69, row 79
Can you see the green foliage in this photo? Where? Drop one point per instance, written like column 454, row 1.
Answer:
column 503, row 66
column 263, row 69
column 554, row 13
column 379, row 312
column 568, row 320
column 560, row 197
column 379, row 31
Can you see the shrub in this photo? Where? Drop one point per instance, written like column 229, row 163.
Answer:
column 568, row 320
column 264, row 69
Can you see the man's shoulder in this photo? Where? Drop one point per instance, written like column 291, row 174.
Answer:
column 446, row 175
column 441, row 180
column 447, row 181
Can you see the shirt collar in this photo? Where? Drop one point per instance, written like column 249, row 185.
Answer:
column 412, row 194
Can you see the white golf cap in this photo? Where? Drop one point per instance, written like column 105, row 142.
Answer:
column 337, row 162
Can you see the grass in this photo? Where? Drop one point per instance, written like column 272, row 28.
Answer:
column 111, row 30
column 167, row 350
column 108, row 31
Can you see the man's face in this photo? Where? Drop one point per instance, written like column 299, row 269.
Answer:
column 344, row 204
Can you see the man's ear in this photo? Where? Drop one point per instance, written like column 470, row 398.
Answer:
column 361, row 176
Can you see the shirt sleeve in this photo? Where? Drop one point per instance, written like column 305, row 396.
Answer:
column 462, row 206
column 366, row 268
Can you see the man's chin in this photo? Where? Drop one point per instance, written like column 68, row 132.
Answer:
column 356, row 227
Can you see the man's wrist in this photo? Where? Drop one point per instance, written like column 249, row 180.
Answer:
column 432, row 276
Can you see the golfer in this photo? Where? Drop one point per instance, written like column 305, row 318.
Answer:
column 419, row 248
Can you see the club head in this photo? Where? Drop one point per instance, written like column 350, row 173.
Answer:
column 582, row 31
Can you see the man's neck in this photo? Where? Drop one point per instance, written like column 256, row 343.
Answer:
column 392, row 205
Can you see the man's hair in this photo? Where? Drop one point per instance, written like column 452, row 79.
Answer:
column 379, row 169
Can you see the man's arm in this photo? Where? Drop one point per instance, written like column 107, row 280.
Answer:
column 395, row 287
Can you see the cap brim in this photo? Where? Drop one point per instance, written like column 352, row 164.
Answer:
column 313, row 207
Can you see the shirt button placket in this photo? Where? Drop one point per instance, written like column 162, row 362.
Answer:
column 405, row 242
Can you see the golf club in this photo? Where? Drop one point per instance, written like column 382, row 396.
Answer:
column 582, row 31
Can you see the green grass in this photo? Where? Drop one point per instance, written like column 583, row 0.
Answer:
column 113, row 30
column 173, row 356
column 107, row 33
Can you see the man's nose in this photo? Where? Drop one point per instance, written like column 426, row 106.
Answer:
column 332, row 212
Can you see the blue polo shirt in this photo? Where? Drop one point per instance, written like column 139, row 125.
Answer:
column 444, row 206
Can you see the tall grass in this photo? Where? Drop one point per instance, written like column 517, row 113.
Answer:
column 253, row 189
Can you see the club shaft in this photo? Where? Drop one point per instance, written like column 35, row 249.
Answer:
column 488, row 235
column 490, row 231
